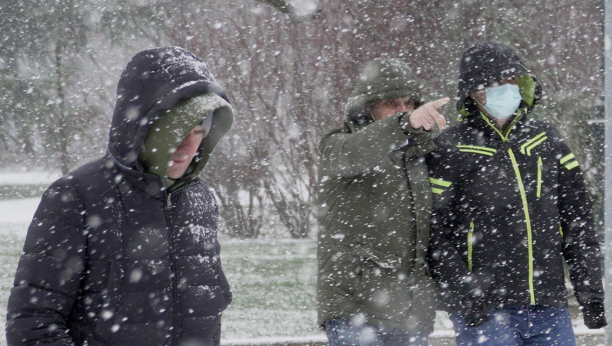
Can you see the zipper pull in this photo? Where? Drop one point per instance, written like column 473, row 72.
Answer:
column 169, row 202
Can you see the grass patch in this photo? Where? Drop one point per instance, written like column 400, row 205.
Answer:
column 273, row 283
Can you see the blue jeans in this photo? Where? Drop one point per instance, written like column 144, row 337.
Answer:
column 518, row 325
column 341, row 332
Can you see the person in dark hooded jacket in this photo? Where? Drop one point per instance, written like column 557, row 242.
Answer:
column 124, row 250
column 509, row 207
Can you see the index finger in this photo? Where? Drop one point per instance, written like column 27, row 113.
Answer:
column 440, row 102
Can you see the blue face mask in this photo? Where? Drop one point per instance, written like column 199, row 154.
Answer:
column 503, row 101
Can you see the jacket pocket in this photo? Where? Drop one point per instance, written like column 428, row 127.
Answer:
column 339, row 271
column 385, row 286
column 381, row 259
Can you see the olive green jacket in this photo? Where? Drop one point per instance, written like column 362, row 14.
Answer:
column 374, row 212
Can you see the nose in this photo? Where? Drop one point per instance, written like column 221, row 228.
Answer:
column 188, row 139
column 402, row 108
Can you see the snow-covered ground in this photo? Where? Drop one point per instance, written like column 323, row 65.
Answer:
column 31, row 178
column 18, row 212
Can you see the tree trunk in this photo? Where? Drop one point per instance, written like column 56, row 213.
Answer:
column 61, row 131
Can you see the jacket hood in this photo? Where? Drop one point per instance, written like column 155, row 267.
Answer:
column 490, row 62
column 153, row 82
column 380, row 79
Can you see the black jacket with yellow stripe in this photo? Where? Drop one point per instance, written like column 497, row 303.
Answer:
column 509, row 209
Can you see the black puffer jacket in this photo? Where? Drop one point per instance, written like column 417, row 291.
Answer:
column 111, row 257
column 509, row 206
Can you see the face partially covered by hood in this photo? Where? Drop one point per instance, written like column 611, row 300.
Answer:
column 172, row 127
column 487, row 63
column 380, row 79
column 170, row 91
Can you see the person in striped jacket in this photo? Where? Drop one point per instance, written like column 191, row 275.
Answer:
column 509, row 208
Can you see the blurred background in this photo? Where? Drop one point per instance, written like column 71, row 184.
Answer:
column 287, row 67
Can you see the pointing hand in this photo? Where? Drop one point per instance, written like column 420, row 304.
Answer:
column 427, row 115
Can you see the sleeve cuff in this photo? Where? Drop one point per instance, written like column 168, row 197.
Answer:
column 404, row 123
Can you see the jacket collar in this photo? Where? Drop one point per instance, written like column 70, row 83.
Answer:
column 150, row 184
column 483, row 123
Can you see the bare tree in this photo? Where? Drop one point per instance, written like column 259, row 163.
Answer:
column 290, row 10
column 43, row 53
column 288, row 79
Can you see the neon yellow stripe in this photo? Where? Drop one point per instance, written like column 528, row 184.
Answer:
column 538, row 136
column 518, row 117
column 560, row 229
column 476, row 147
column 526, row 144
column 440, row 182
column 438, row 191
column 475, row 151
column 527, row 222
column 539, row 188
column 469, row 244
column 571, row 165
column 535, row 145
column 504, row 138
column 509, row 128
column 566, row 158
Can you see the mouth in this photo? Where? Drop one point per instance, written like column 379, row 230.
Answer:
column 178, row 157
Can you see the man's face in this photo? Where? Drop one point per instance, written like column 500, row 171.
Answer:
column 481, row 96
column 385, row 108
column 185, row 152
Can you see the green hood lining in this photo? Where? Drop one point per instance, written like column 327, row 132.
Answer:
column 169, row 130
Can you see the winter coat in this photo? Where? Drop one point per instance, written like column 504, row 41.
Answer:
column 374, row 211
column 509, row 206
column 112, row 257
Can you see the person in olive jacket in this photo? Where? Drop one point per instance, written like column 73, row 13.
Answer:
column 375, row 203
column 124, row 250
column 510, row 206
